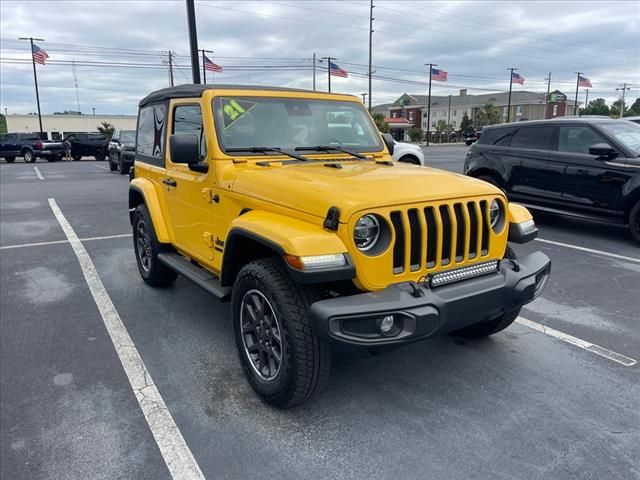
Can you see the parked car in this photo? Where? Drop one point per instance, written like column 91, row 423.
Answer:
column 635, row 119
column 29, row 146
column 407, row 153
column 317, row 240
column 122, row 151
column 88, row 145
column 587, row 167
column 470, row 137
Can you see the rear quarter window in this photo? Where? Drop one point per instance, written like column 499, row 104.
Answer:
column 532, row 137
column 152, row 130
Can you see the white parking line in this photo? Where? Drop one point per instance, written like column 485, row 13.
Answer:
column 589, row 250
column 174, row 449
column 100, row 166
column 597, row 349
column 37, row 170
column 55, row 242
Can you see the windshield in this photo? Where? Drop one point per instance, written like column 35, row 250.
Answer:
column 128, row 136
column 626, row 133
column 289, row 123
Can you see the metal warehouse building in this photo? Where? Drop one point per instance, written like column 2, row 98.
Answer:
column 57, row 126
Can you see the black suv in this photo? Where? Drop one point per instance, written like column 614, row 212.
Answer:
column 578, row 166
column 88, row 145
column 122, row 151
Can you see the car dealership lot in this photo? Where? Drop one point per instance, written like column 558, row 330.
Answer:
column 521, row 404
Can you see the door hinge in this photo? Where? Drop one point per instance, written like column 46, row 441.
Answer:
column 208, row 239
column 209, row 197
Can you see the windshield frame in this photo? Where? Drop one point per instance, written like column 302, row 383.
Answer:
column 379, row 148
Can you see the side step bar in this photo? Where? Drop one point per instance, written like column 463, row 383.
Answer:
column 201, row 277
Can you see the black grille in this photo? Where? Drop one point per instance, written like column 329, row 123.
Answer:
column 460, row 231
column 446, row 235
column 416, row 239
column 485, row 227
column 473, row 230
column 432, row 237
column 398, row 248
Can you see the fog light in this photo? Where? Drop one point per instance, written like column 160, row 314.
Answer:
column 386, row 325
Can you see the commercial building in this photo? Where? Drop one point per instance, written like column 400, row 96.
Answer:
column 410, row 111
column 58, row 126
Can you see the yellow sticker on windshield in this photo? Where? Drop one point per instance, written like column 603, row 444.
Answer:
column 233, row 109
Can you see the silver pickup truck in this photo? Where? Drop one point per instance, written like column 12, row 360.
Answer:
column 30, row 147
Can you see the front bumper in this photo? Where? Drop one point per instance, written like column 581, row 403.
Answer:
column 420, row 311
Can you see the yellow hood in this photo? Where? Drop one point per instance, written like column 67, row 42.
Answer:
column 358, row 185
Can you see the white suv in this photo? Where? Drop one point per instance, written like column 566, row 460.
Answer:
column 408, row 153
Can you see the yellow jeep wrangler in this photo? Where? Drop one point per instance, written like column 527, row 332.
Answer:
column 287, row 203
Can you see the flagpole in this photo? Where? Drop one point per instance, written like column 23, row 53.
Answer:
column 314, row 71
column 431, row 65
column 586, row 101
column 328, row 59
column 511, row 69
column 35, row 76
column 204, row 70
column 575, row 107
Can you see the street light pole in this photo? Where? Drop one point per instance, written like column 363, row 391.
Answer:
column 371, row 7
column 431, row 65
column 449, row 121
column 193, row 40
column 511, row 70
column 364, row 97
column 586, row 101
column 546, row 103
column 624, row 88
column 314, row 71
column 35, row 76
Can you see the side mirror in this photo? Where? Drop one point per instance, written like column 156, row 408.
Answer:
column 184, row 148
column 389, row 142
column 602, row 150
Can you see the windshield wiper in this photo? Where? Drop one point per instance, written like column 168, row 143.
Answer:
column 266, row 150
column 326, row 148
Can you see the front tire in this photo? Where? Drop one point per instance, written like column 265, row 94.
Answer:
column 147, row 247
column 284, row 361
column 484, row 329
column 410, row 159
column 124, row 168
column 99, row 155
column 634, row 222
column 28, row 156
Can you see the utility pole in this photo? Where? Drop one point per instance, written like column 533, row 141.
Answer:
column 371, row 7
column 586, row 101
column 575, row 107
column 75, row 81
column 94, row 111
column 624, row 88
column 431, row 65
column 511, row 70
column 35, row 76
column 170, row 68
column 193, row 41
column 364, row 97
column 449, row 121
column 328, row 59
column 546, row 101
column 314, row 71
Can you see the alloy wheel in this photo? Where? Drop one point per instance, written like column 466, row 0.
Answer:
column 143, row 242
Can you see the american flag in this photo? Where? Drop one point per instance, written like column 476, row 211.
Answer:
column 212, row 67
column 336, row 71
column 584, row 82
column 517, row 78
column 439, row 75
column 39, row 55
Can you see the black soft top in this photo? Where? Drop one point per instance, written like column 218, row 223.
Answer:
column 192, row 90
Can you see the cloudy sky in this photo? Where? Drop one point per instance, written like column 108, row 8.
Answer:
column 119, row 47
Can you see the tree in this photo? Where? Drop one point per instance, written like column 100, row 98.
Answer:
column 378, row 118
column 466, row 125
column 488, row 115
column 415, row 134
column 107, row 129
column 3, row 124
column 441, row 127
column 615, row 109
column 635, row 107
column 597, row 106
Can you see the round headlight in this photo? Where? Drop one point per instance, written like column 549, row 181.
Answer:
column 366, row 232
column 495, row 212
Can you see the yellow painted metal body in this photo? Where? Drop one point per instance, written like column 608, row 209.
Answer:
column 286, row 204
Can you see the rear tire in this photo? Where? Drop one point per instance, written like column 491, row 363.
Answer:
column 99, row 155
column 10, row 159
column 28, row 156
column 484, row 329
column 634, row 222
column 147, row 247
column 284, row 361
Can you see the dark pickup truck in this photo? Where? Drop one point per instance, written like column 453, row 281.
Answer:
column 88, row 145
column 29, row 146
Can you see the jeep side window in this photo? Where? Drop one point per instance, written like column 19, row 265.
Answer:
column 151, row 131
column 577, row 139
column 188, row 119
column 532, row 137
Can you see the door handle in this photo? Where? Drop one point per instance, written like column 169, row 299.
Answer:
column 582, row 171
column 170, row 182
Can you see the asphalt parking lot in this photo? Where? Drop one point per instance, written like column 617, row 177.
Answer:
column 527, row 403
